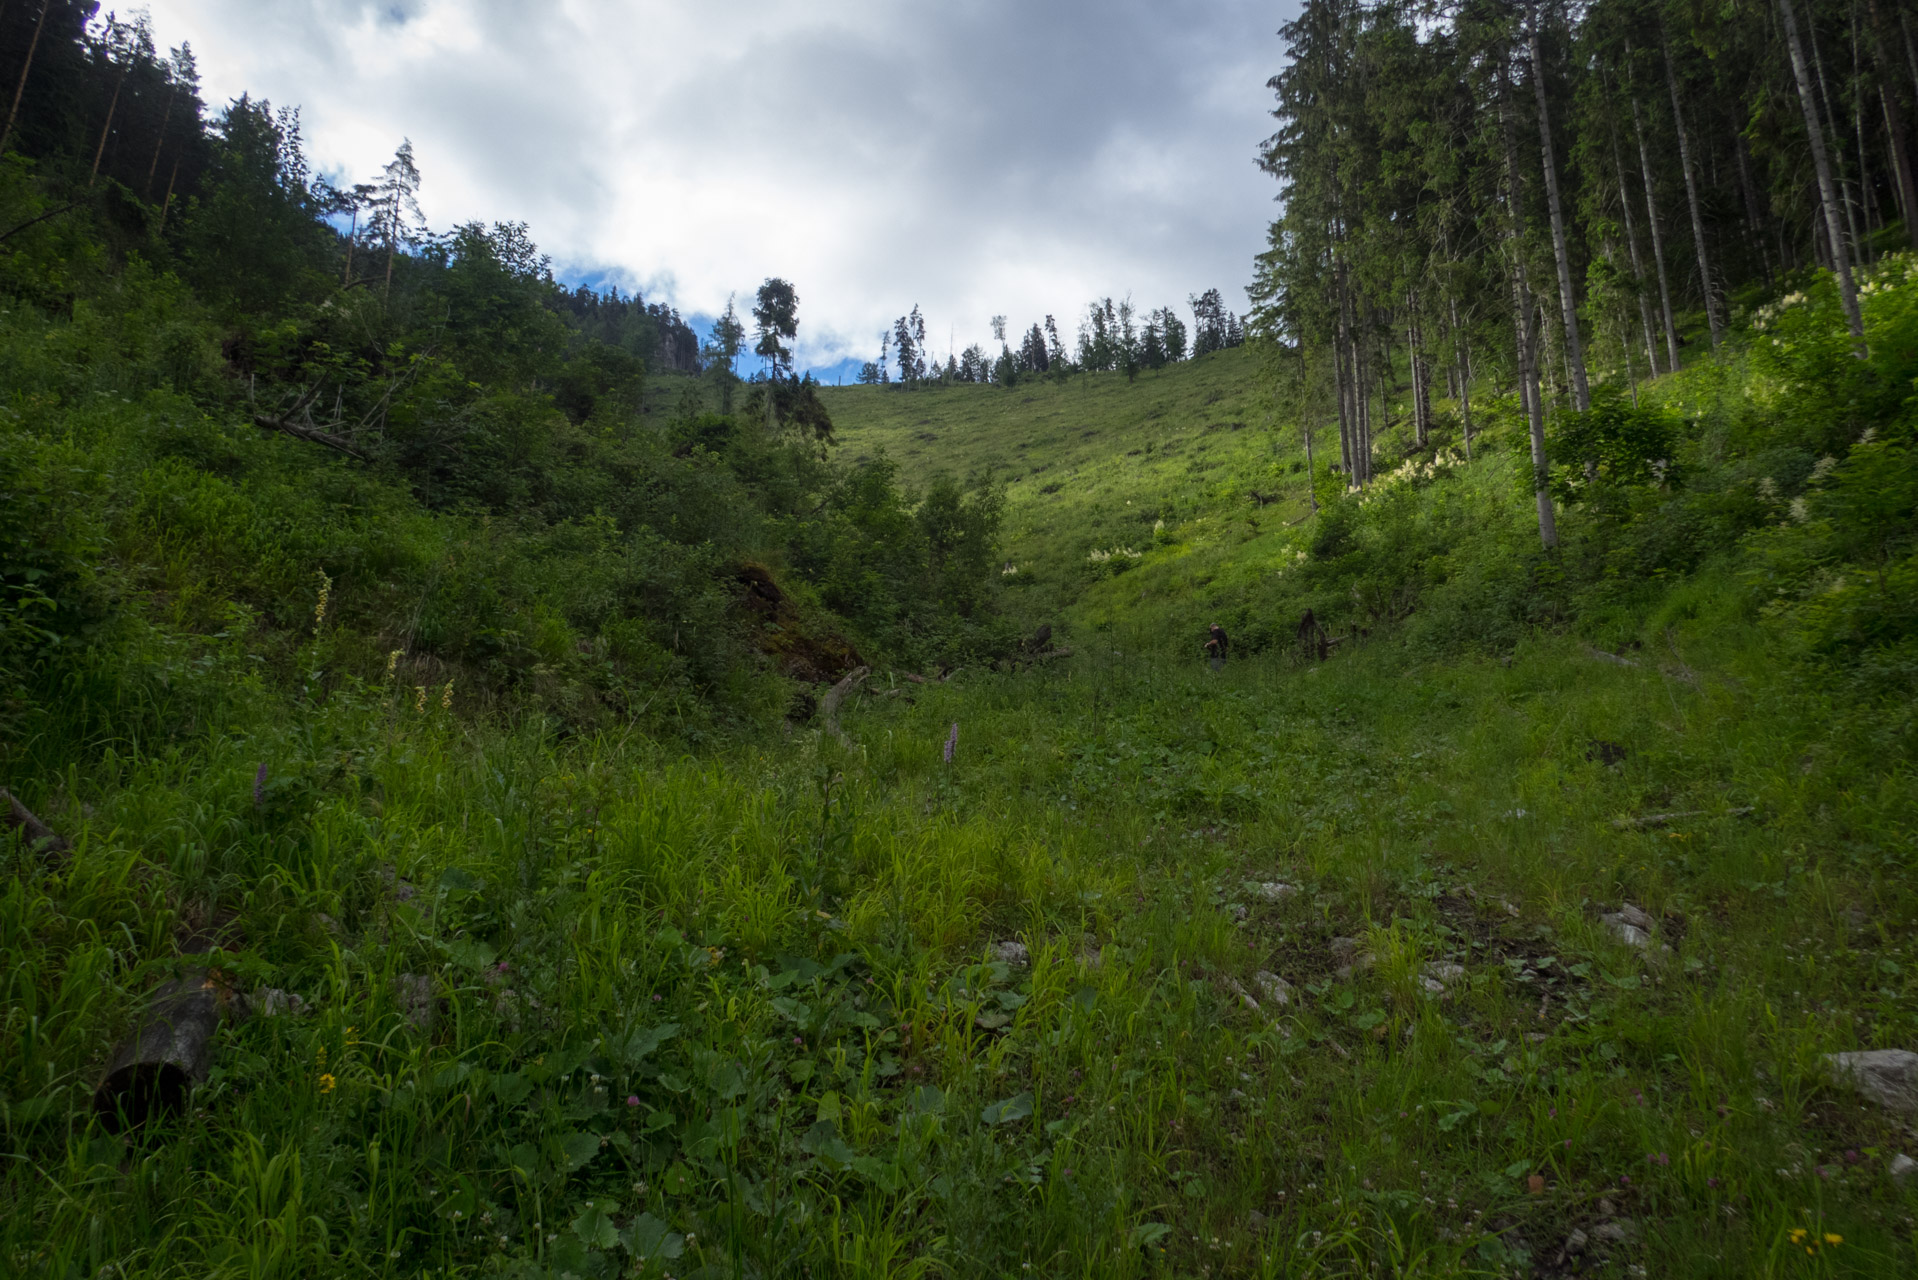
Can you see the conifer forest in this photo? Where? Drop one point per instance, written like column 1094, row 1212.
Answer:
column 1400, row 764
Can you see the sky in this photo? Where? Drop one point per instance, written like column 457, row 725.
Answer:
column 973, row 157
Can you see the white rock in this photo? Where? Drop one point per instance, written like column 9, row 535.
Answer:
column 1633, row 927
column 273, row 1003
column 1351, row 959
column 1888, row 1077
column 1620, row 1232
column 1013, row 953
column 1444, row 972
column 1272, row 890
column 1636, row 917
column 413, row 993
column 1237, row 988
column 1627, row 932
column 1576, row 1242
column 1274, row 988
column 1431, row 987
column 1903, row 1167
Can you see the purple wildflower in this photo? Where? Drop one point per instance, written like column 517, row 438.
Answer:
column 952, row 741
column 632, row 1099
column 259, row 787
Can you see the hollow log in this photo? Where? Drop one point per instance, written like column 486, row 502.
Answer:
column 170, row 1051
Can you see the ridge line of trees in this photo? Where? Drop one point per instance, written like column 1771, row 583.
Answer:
column 1113, row 337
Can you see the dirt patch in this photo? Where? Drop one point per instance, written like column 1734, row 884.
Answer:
column 779, row 631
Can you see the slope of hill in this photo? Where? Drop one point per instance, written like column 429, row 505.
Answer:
column 1093, row 465
column 416, row 864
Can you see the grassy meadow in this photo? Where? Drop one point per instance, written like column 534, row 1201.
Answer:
column 1115, row 966
column 1091, row 463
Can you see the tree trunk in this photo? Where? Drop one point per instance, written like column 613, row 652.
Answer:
column 1631, row 248
column 159, row 143
column 1832, row 135
column 1895, row 121
column 1568, row 306
column 1522, row 321
column 1753, row 218
column 1461, row 342
column 21, row 89
column 1305, row 420
column 1658, row 238
column 1867, row 194
column 1911, row 52
column 1821, row 162
column 1691, row 190
column 171, row 179
column 106, row 130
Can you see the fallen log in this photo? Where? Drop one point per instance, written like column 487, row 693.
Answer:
column 169, row 1052
column 1660, row 819
column 829, row 705
column 38, row 835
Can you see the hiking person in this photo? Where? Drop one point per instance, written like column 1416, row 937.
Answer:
column 1216, row 647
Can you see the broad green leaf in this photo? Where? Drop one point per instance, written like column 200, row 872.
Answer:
column 577, row 1150
column 595, row 1228
column 1008, row 1110
column 643, row 1041
column 646, row 1238
column 1147, row 1233
column 459, row 880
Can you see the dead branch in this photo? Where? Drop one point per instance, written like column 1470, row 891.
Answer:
column 314, row 435
column 1601, row 656
column 65, row 208
column 829, row 705
column 38, row 835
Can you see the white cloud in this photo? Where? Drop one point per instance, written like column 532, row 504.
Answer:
column 974, row 158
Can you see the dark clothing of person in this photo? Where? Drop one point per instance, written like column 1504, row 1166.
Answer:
column 1217, row 645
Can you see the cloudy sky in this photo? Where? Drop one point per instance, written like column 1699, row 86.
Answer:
column 977, row 157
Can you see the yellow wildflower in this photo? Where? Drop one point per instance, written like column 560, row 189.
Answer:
column 319, row 610
column 326, row 1083
column 1832, row 1239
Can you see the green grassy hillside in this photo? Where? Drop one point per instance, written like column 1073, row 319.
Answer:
column 1091, row 464
column 1510, row 940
